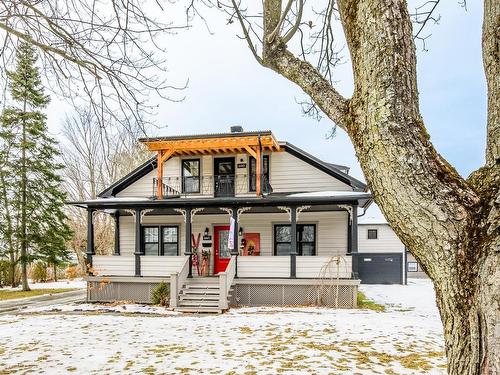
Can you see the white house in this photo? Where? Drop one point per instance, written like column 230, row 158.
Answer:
column 231, row 219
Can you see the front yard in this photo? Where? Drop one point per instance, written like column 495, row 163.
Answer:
column 406, row 338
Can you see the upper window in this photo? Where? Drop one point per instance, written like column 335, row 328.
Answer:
column 372, row 234
column 306, row 239
column 253, row 172
column 191, row 176
column 167, row 244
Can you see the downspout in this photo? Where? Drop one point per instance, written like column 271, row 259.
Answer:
column 261, row 165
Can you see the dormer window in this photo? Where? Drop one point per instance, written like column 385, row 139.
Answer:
column 191, row 176
column 253, row 172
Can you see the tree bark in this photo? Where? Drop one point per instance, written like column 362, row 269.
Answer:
column 24, row 187
column 450, row 225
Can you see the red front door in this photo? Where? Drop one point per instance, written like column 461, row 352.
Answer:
column 222, row 254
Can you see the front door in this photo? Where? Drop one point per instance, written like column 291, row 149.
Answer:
column 224, row 178
column 222, row 254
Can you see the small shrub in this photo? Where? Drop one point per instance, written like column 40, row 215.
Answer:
column 72, row 272
column 161, row 294
column 39, row 272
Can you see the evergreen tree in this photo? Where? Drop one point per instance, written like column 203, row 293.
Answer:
column 34, row 193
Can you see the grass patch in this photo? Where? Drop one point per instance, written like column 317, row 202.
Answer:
column 15, row 294
column 365, row 303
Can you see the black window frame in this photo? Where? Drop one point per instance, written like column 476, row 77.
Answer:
column 252, row 174
column 162, row 251
column 161, row 243
column 300, row 242
column 183, row 178
column 372, row 231
column 143, row 238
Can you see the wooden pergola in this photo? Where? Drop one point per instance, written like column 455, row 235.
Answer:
column 253, row 145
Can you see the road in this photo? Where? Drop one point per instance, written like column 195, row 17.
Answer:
column 17, row 305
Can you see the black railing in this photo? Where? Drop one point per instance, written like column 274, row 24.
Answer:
column 224, row 185
column 219, row 185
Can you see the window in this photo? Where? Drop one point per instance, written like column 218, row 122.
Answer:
column 253, row 172
column 150, row 241
column 170, row 240
column 169, row 244
column 306, row 239
column 191, row 176
column 372, row 234
column 412, row 267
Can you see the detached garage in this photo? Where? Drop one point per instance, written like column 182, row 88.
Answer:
column 381, row 255
column 380, row 268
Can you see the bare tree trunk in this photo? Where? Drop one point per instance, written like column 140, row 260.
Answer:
column 24, row 234
column 450, row 225
column 54, row 269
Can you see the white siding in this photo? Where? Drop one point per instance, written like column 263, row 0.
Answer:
column 161, row 265
column 324, row 267
column 291, row 174
column 264, row 266
column 287, row 174
column 113, row 265
column 331, row 229
column 387, row 241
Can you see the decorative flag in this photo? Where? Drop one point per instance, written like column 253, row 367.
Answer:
column 230, row 238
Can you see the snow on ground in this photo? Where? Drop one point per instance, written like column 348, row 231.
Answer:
column 61, row 284
column 405, row 339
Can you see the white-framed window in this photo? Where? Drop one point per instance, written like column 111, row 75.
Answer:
column 412, row 267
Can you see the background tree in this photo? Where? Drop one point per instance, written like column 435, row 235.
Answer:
column 34, row 194
column 94, row 158
column 450, row 224
column 105, row 54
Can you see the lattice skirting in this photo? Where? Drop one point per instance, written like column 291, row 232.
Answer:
column 286, row 295
column 120, row 291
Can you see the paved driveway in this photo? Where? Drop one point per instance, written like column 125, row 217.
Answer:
column 16, row 305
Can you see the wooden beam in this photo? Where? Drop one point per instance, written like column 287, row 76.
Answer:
column 258, row 173
column 162, row 157
column 251, row 151
column 159, row 175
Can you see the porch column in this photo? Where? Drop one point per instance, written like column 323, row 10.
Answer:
column 90, row 237
column 116, row 218
column 188, row 250
column 138, row 250
column 236, row 246
column 293, row 242
column 353, row 235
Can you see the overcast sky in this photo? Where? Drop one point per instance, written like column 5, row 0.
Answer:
column 227, row 87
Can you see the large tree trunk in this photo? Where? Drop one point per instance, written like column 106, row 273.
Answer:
column 450, row 225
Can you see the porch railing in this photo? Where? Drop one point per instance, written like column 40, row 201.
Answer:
column 220, row 186
column 177, row 280
column 225, row 281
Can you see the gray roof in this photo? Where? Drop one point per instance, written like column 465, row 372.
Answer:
column 209, row 135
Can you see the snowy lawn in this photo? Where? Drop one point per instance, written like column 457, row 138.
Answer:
column 404, row 339
column 61, row 284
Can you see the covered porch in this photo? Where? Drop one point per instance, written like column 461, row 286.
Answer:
column 278, row 265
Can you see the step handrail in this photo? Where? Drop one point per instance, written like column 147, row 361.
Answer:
column 225, row 282
column 177, row 280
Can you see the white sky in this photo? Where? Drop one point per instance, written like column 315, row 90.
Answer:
column 227, row 87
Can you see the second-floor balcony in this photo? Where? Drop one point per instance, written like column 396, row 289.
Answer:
column 216, row 186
